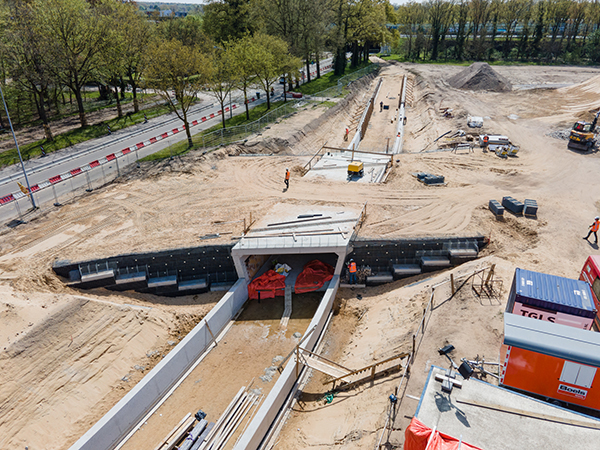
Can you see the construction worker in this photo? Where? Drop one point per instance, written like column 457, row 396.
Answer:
column 594, row 229
column 347, row 133
column 380, row 106
column 287, row 178
column 352, row 271
column 486, row 140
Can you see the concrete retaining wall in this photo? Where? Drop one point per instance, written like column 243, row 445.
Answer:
column 119, row 421
column 265, row 416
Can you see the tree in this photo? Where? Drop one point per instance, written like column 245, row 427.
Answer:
column 76, row 35
column 243, row 65
column 227, row 20
column 223, row 76
column 183, row 70
column 462, row 14
column 26, row 58
column 187, row 30
column 270, row 55
column 440, row 16
column 138, row 36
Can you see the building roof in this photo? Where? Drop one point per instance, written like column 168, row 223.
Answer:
column 555, row 293
column 478, row 412
column 552, row 339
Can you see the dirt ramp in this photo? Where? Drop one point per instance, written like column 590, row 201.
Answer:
column 590, row 86
column 480, row 77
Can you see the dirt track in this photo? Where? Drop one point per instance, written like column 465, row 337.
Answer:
column 171, row 203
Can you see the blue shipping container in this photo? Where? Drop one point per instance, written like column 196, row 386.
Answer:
column 553, row 293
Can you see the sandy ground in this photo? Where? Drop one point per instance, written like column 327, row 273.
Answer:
column 65, row 358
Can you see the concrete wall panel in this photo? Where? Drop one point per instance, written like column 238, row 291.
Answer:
column 116, row 423
column 265, row 416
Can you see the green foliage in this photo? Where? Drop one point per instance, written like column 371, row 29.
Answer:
column 326, row 81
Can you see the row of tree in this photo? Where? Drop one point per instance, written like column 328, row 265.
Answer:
column 528, row 30
column 48, row 46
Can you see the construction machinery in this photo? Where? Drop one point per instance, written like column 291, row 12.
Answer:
column 582, row 135
column 356, row 168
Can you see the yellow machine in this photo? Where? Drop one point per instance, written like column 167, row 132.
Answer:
column 582, row 135
column 356, row 168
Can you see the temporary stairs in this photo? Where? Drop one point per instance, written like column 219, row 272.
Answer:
column 342, row 376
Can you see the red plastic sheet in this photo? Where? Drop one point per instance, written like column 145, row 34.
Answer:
column 270, row 284
column 417, row 436
column 314, row 275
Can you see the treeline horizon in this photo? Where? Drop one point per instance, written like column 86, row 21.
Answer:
column 53, row 48
column 542, row 31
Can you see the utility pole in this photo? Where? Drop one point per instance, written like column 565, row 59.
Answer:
column 18, row 150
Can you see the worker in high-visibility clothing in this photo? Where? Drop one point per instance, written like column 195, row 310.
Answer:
column 594, row 229
column 287, row 178
column 352, row 271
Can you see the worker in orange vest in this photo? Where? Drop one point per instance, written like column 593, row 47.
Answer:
column 287, row 178
column 593, row 229
column 486, row 140
column 352, row 271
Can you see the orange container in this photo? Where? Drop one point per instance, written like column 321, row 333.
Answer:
column 551, row 360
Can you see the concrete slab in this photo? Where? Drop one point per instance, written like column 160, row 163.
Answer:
column 493, row 429
column 286, row 231
column 334, row 166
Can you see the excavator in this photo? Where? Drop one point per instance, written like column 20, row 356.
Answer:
column 582, row 135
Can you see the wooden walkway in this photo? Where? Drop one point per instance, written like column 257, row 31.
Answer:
column 287, row 311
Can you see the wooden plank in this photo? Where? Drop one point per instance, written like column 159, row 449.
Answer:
column 533, row 415
column 292, row 222
column 179, row 434
column 287, row 311
column 223, row 417
column 371, row 367
column 321, row 366
column 173, row 431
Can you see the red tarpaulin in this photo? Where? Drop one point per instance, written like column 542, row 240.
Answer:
column 418, row 437
column 313, row 276
column 270, row 284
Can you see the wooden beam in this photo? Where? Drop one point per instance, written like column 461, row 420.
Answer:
column 291, row 222
column 173, row 431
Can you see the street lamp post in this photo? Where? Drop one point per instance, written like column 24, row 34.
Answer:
column 18, row 150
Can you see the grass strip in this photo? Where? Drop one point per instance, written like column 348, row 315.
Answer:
column 326, row 81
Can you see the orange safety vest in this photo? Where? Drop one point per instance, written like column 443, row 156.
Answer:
column 486, row 139
column 352, row 267
column 287, row 174
column 596, row 225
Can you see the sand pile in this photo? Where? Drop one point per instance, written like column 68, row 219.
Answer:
column 590, row 86
column 480, row 77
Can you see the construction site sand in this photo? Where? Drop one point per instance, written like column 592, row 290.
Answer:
column 171, row 203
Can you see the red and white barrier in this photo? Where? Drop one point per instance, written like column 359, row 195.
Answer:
column 108, row 158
